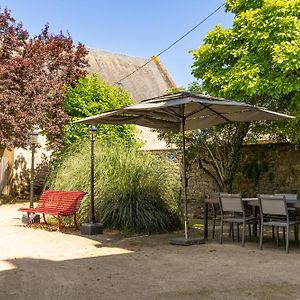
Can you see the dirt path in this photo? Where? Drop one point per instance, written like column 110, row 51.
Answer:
column 38, row 264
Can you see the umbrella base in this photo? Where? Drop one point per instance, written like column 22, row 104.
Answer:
column 182, row 241
column 91, row 228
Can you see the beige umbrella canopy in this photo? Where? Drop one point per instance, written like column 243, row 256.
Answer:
column 181, row 112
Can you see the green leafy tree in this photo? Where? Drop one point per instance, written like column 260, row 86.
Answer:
column 92, row 96
column 256, row 61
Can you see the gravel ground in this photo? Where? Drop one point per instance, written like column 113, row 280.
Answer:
column 36, row 263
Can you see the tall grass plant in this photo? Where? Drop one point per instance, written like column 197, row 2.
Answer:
column 134, row 191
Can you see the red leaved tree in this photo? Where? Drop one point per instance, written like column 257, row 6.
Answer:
column 33, row 75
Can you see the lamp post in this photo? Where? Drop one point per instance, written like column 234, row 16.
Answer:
column 92, row 227
column 33, row 139
column 92, row 131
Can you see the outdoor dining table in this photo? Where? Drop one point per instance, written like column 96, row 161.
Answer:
column 253, row 202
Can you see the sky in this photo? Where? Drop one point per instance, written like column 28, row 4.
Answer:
column 139, row 28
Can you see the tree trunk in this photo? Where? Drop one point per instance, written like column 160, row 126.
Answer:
column 234, row 157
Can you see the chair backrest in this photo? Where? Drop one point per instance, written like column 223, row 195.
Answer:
column 231, row 203
column 273, row 205
column 215, row 195
column 289, row 197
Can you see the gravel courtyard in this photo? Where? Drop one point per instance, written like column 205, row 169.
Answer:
column 41, row 264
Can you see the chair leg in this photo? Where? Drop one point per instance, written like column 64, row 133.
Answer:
column 277, row 236
column 297, row 235
column 238, row 231
column 295, row 232
column 283, row 233
column 287, row 238
column 261, row 236
column 249, row 226
column 221, row 231
column 273, row 232
column 243, row 234
column 232, row 231
column 214, row 227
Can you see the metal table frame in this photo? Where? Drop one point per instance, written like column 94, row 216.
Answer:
column 248, row 201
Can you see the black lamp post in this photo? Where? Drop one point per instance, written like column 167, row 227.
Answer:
column 33, row 139
column 92, row 227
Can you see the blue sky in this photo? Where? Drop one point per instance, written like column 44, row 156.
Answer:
column 139, row 28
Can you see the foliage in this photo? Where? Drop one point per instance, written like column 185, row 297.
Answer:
column 92, row 96
column 255, row 62
column 134, row 191
column 254, row 169
column 33, row 74
column 215, row 150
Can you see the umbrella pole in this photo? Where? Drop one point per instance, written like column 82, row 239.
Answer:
column 186, row 240
column 184, row 182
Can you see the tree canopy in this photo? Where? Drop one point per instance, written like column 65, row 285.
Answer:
column 92, row 96
column 254, row 61
column 257, row 60
column 33, row 75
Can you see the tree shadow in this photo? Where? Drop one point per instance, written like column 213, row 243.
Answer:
column 31, row 278
column 21, row 180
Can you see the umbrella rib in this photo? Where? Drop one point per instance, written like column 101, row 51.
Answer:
column 174, row 113
column 196, row 111
column 159, row 114
column 204, row 107
column 220, row 115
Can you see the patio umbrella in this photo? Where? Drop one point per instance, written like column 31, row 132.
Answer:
column 181, row 112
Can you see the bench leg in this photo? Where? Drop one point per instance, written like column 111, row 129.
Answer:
column 44, row 217
column 75, row 222
column 59, row 223
column 28, row 218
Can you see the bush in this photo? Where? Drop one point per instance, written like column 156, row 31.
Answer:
column 134, row 191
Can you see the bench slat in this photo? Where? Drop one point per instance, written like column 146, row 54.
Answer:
column 59, row 203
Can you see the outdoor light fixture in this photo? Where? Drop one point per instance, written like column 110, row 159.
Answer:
column 92, row 227
column 33, row 140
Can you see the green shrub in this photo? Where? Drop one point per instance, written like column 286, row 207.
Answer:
column 134, row 191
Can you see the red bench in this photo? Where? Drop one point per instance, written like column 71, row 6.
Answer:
column 58, row 204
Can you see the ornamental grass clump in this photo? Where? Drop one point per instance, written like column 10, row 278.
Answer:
column 134, row 191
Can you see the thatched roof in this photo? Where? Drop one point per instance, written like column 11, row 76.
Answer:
column 150, row 81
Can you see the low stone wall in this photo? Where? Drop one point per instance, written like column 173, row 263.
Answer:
column 264, row 168
column 269, row 168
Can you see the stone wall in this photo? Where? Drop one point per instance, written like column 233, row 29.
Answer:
column 264, row 168
column 269, row 168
